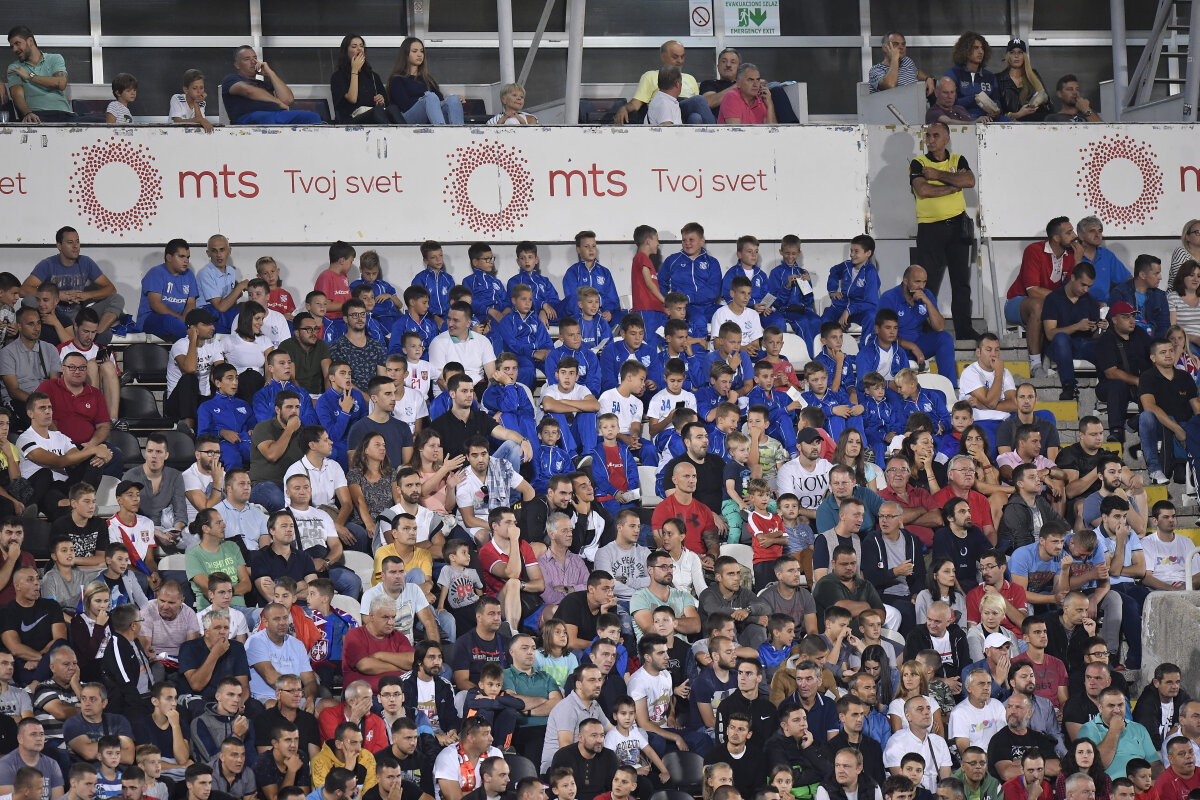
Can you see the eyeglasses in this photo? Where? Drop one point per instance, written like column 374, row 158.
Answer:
column 209, row 452
column 75, row 369
column 308, row 329
column 890, row 516
column 904, row 470
column 358, row 315
column 486, row 258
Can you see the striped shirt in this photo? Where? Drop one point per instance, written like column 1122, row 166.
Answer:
column 1187, row 317
column 906, row 74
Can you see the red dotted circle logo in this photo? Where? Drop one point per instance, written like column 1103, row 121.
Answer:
column 89, row 160
column 457, row 192
column 1096, row 156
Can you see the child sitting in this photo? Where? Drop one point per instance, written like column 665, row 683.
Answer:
column 572, row 406
column 227, row 417
column 149, row 758
column 435, row 280
column 781, row 634
column 915, row 399
column 418, row 374
column 881, row 351
column 316, row 303
column 737, row 472
column 631, row 744
column 594, row 330
column 841, row 367
column 622, row 401
column 840, row 413
column 768, row 535
column 727, row 349
column 630, row 347
column 781, row 408
column 507, row 400
column 840, row 639
column 10, row 296
column 275, row 326
column 489, row 700
column 792, row 286
column 676, row 304
column 124, row 90
column 854, row 286
column 332, row 624
column 672, row 397
column 550, row 459
column 554, row 657
column 800, row 537
column 675, row 347
column 769, row 451
column 725, row 423
column 279, row 299
column 187, row 107
column 338, row 408
column 562, row 784
column 524, row 335
column 961, row 417
column 613, row 469
column 739, row 312
column 881, row 417
column 369, row 272
column 461, row 586
column 785, row 373
column 415, row 319
column 718, row 390
column 587, row 366
column 544, row 296
column 411, row 407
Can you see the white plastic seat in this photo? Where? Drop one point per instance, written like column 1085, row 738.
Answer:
column 647, row 477
column 346, row 603
column 744, row 554
column 939, row 383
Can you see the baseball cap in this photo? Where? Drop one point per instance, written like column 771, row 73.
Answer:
column 125, row 486
column 808, row 436
column 995, row 640
column 1017, row 44
column 198, row 316
column 1121, row 308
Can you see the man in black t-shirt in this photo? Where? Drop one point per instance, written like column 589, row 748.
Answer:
column 581, row 610
column 479, row 646
column 1168, row 398
column 415, row 768
column 29, row 625
column 1122, row 355
column 389, row 774
column 1084, row 705
column 710, row 471
column 1010, row 742
column 1080, row 460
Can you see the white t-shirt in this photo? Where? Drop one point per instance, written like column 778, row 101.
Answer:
column 689, row 573
column 409, row 406
column 446, row 768
column 246, row 355
column 810, row 486
column 465, row 494
column 68, row 347
column 1167, row 560
column 664, row 402
column 904, row 742
column 974, row 377
column 275, row 327
column 663, row 109
column 53, row 442
column 410, row 603
column 181, row 109
column 896, row 709
column 578, row 392
column 324, row 481
column 140, row 534
column 655, row 690
column 194, row 480
column 427, row 521
column 978, row 725
column 628, row 748
column 313, row 527
column 748, row 321
column 628, row 409
column 473, row 354
column 237, row 622
column 420, row 378
column 207, row 354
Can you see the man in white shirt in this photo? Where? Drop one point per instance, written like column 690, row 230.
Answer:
column 487, row 484
column 806, row 475
column 1166, row 553
column 317, row 535
column 411, row 605
column 429, row 524
column 916, row 738
column 651, row 690
column 988, row 386
column 188, row 366
column 459, row 343
column 327, row 480
column 979, row 716
column 51, row 462
column 664, row 105
column 473, row 746
column 204, row 481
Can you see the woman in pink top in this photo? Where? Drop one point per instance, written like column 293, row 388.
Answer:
column 438, row 476
column 750, row 103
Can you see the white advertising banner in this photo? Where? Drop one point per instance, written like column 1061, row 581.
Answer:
column 319, row 184
column 1141, row 180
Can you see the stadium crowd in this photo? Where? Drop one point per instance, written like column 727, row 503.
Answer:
column 415, row 558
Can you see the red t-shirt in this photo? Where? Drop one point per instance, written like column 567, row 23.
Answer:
column 489, row 554
column 77, row 417
column 336, row 289
column 643, row 298
column 785, row 368
column 981, row 512
column 1037, row 269
column 697, row 518
column 359, row 644
column 1171, row 786
column 281, row 300
column 917, row 498
column 1010, row 591
column 760, row 525
column 1050, row 674
column 1014, row 789
column 615, row 468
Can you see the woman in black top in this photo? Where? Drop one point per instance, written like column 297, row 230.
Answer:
column 414, row 91
column 1023, row 96
column 359, row 94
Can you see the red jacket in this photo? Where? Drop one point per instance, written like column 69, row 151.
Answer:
column 1037, row 267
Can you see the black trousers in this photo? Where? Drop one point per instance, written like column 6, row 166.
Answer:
column 47, row 492
column 941, row 248
column 184, row 402
column 1117, row 394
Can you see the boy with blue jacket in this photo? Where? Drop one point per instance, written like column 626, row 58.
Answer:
column 854, row 286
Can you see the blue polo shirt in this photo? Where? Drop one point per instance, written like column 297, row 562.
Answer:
column 912, row 317
column 1109, row 273
column 1065, row 313
column 175, row 290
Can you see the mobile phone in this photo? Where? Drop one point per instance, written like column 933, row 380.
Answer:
column 681, row 404
column 102, row 354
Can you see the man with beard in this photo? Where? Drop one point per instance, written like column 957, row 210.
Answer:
column 427, row 692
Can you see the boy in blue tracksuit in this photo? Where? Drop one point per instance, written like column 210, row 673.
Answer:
column 675, row 335
column 747, row 267
column 854, row 286
column 715, row 392
column 839, row 413
column 416, row 318
column 505, row 396
column 793, row 304
column 588, row 271
column 339, row 407
column 525, row 336
column 595, row 332
column 386, row 309
column 693, row 272
column 727, row 347
column 614, row 469
column 225, row 411
column 881, row 351
column 549, row 459
column 436, row 280
column 881, row 414
column 922, row 328
column 571, row 346
column 781, row 408
column 845, row 378
column 489, row 298
column 676, row 304
column 545, row 297
column 279, row 378
column 631, row 345
column 913, row 398
column 573, row 406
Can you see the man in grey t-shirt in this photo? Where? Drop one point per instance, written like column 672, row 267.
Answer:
column 14, row 700
column 29, row 754
column 787, row 596
column 579, row 705
column 625, row 559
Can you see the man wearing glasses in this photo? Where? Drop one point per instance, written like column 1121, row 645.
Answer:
column 126, row 667
column 961, row 472
column 920, row 513
column 364, row 354
column 310, row 354
column 660, row 592
column 893, row 559
column 80, row 410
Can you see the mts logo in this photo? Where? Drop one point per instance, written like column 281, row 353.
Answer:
column 602, row 183
column 224, row 182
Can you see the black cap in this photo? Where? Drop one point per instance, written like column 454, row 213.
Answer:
column 198, row 316
column 1017, row 44
column 125, row 486
column 808, row 436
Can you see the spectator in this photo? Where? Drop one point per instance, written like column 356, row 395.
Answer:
column 272, row 652
column 896, row 69
column 917, row 738
column 1073, row 106
column 1189, row 249
column 1021, row 91
column 1164, row 696
column 1008, row 744
column 220, row 720
column 798, row 749
column 356, row 709
column 692, row 104
column 213, row 554
column 944, row 231
column 1045, row 266
column 206, row 661
column 230, row 774
column 427, row 692
column 162, row 498
column 126, row 668
column 289, row 714
column 1072, row 322
column 976, row 719
column 751, row 104
column 456, row 768
column 255, row 95
column 728, row 595
column 512, row 100
column 189, row 366
column 1122, row 356
column 412, row 606
column 589, row 759
column 536, row 689
column 169, row 292
column 310, row 354
column 417, row 95
column 27, row 362
column 27, row 760
column 1110, row 272
column 1024, row 506
column 80, row 282
column 945, row 109
column 376, row 648
column 37, row 81
column 219, row 287
column 1168, row 397
column 952, row 643
column 243, row 520
column 1142, row 293
column 1167, row 566
column 82, row 731
column 359, row 93
column 80, row 410
column 844, row 587
column 51, row 461
column 57, row 699
column 101, row 370
column 664, row 105
column 187, row 107
column 978, row 89
column 1180, row 778
column 274, row 447
column 1133, row 740
column 1113, row 484
column 922, row 328
column 166, row 624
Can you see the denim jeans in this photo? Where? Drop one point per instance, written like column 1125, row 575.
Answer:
column 695, row 111
column 1151, row 431
column 269, row 495
column 429, row 110
column 510, row 452
column 1064, row 348
column 280, row 117
column 346, row 581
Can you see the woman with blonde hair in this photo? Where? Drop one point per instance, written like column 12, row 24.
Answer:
column 1022, row 94
column 913, row 683
column 1188, row 250
column 88, row 632
column 991, row 614
column 1185, row 359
